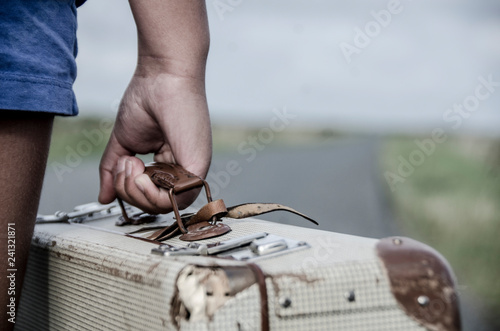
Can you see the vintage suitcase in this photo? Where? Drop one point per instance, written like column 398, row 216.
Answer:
column 85, row 274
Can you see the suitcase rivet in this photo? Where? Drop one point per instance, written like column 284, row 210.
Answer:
column 350, row 296
column 285, row 302
column 423, row 300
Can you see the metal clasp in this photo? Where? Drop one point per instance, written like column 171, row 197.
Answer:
column 82, row 213
column 245, row 248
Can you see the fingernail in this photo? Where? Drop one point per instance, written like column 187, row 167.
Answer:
column 121, row 166
column 128, row 168
column 139, row 183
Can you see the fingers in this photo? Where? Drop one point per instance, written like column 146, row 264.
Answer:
column 135, row 187
column 109, row 160
column 106, row 190
column 123, row 175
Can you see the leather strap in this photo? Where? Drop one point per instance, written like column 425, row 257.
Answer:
column 206, row 222
column 264, row 306
column 212, row 209
column 205, row 230
column 199, row 227
column 255, row 209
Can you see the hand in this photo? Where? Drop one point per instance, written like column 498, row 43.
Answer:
column 164, row 114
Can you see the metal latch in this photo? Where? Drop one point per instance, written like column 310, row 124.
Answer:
column 86, row 212
column 244, row 248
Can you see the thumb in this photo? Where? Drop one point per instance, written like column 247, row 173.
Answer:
column 109, row 160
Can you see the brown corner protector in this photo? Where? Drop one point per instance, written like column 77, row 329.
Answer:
column 422, row 282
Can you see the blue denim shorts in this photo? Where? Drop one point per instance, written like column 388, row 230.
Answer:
column 37, row 56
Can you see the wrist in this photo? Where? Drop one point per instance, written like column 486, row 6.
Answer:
column 152, row 65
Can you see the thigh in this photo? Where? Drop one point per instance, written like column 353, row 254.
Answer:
column 24, row 145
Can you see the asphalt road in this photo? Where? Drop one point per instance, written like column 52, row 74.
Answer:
column 337, row 182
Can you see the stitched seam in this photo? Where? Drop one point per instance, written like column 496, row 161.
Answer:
column 37, row 80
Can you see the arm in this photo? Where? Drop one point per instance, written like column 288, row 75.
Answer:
column 164, row 109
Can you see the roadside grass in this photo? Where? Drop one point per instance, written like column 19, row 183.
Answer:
column 86, row 137
column 452, row 202
column 78, row 139
column 236, row 138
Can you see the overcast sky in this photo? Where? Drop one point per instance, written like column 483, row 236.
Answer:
column 381, row 65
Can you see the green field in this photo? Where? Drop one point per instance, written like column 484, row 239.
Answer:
column 81, row 137
column 450, row 199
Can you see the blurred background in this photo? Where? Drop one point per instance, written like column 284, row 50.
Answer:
column 376, row 118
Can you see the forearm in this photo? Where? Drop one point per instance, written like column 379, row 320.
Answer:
column 164, row 110
column 173, row 37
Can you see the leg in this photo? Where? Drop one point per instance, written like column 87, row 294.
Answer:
column 24, row 145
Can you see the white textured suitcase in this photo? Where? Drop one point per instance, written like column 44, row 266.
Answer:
column 84, row 274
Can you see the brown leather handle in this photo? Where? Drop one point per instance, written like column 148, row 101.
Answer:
column 173, row 176
column 175, row 179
